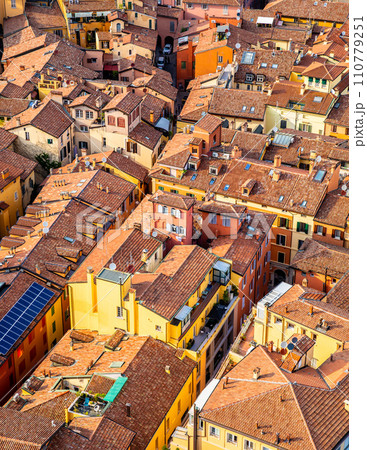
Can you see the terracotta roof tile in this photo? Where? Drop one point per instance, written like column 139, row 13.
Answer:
column 125, row 102
column 115, row 340
column 339, row 295
column 208, row 123
column 45, row 17
column 196, row 104
column 315, row 256
column 13, row 24
column 174, row 200
column 334, row 210
column 238, row 103
column 61, row 360
column 145, row 135
column 100, row 384
column 339, row 115
column 6, row 139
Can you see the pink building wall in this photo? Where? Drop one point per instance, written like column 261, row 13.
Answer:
column 197, row 12
column 164, row 28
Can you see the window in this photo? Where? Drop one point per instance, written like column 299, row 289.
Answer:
column 111, row 120
column 49, row 141
column 83, row 129
column 201, row 424
column 31, row 336
column 225, row 10
column 334, row 128
column 158, row 328
column 174, row 191
column 281, row 239
column 204, row 6
column 167, row 425
column 252, row 285
column 283, row 124
column 248, row 445
column 119, row 312
column 13, row 3
column 15, row 196
column 20, row 351
column 32, row 353
column 302, row 227
column 189, row 6
column 104, row 142
column 252, row 109
column 281, row 257
column 118, row 27
column 305, row 127
column 54, row 327
column 320, row 230
column 300, row 243
column 165, row 210
column 337, row 234
column 22, row 367
column 213, row 431
column 27, row 135
column 78, row 113
column 283, row 222
column 226, row 221
column 264, row 279
column 179, row 407
column 220, row 59
column 172, row 27
column 263, row 65
column 89, row 115
column 232, row 438
column 83, row 145
column 259, row 88
column 121, row 122
column 212, row 218
column 183, row 64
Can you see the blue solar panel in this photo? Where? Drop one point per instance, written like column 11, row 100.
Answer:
column 18, row 319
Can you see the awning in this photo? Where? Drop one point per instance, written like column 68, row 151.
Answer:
column 115, row 389
column 265, row 20
column 163, row 123
column 183, row 313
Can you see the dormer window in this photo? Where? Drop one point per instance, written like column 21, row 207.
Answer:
column 213, row 170
column 192, row 166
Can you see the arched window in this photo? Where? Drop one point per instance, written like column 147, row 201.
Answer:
column 118, row 27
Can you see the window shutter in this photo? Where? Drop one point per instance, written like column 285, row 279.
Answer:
column 324, row 231
column 306, row 228
column 298, row 226
column 333, row 233
column 178, row 214
column 168, row 227
column 286, row 223
column 120, row 121
column 160, row 209
column 342, row 235
column 135, row 147
column 128, row 146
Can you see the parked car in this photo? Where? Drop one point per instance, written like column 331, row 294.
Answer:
column 160, row 62
column 167, row 49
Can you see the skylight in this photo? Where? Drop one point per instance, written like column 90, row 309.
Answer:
column 226, row 187
column 244, row 108
column 203, row 96
column 252, row 109
column 200, row 104
column 336, row 106
column 248, row 58
column 304, row 204
column 193, row 178
column 247, row 167
column 320, row 174
column 317, row 99
column 281, row 198
column 274, row 66
column 69, row 239
column 212, row 181
column 263, row 65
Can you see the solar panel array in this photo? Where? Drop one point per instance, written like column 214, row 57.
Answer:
column 18, row 319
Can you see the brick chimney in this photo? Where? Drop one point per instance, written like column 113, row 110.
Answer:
column 303, row 88
column 151, row 116
column 277, row 160
column 276, row 175
column 256, row 373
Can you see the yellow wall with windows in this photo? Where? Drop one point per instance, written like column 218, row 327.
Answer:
column 267, row 330
column 12, row 195
column 10, row 8
column 180, row 188
column 340, row 133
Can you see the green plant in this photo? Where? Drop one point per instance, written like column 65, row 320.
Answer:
column 234, row 290
column 225, row 299
column 190, row 344
column 45, row 162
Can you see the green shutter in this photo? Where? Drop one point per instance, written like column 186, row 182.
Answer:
column 287, row 223
column 306, row 228
column 323, row 82
column 298, row 226
column 310, row 79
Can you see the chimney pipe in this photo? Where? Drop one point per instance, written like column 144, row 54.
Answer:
column 18, row 121
column 277, row 160
column 256, row 373
column 151, row 116
column 128, row 409
column 302, row 90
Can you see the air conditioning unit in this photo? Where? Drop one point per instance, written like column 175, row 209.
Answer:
column 219, row 68
column 226, row 156
column 118, row 149
column 215, row 154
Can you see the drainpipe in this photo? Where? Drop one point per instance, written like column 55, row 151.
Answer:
column 325, row 280
column 195, row 427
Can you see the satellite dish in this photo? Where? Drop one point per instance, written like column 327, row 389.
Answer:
column 87, row 163
column 228, row 34
column 290, row 347
column 104, row 159
column 238, row 11
column 154, row 234
column 113, row 266
column 318, row 159
column 283, row 344
column 294, row 340
column 45, row 224
column 238, row 45
column 344, row 187
column 46, row 230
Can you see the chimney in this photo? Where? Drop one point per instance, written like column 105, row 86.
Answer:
column 346, row 47
column 277, row 160
column 5, row 174
column 270, row 91
column 304, row 282
column 276, row 175
column 311, row 311
column 302, row 90
column 99, row 102
column 51, row 171
column 93, row 162
column 310, row 169
column 84, row 152
column 291, row 202
column 277, row 439
column 312, row 154
column 332, row 54
column 270, row 346
column 128, row 409
column 286, row 309
column 151, row 116
column 144, row 257
column 18, row 121
column 236, row 152
column 71, row 346
column 107, row 189
column 233, row 125
column 38, row 270
column 256, row 373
